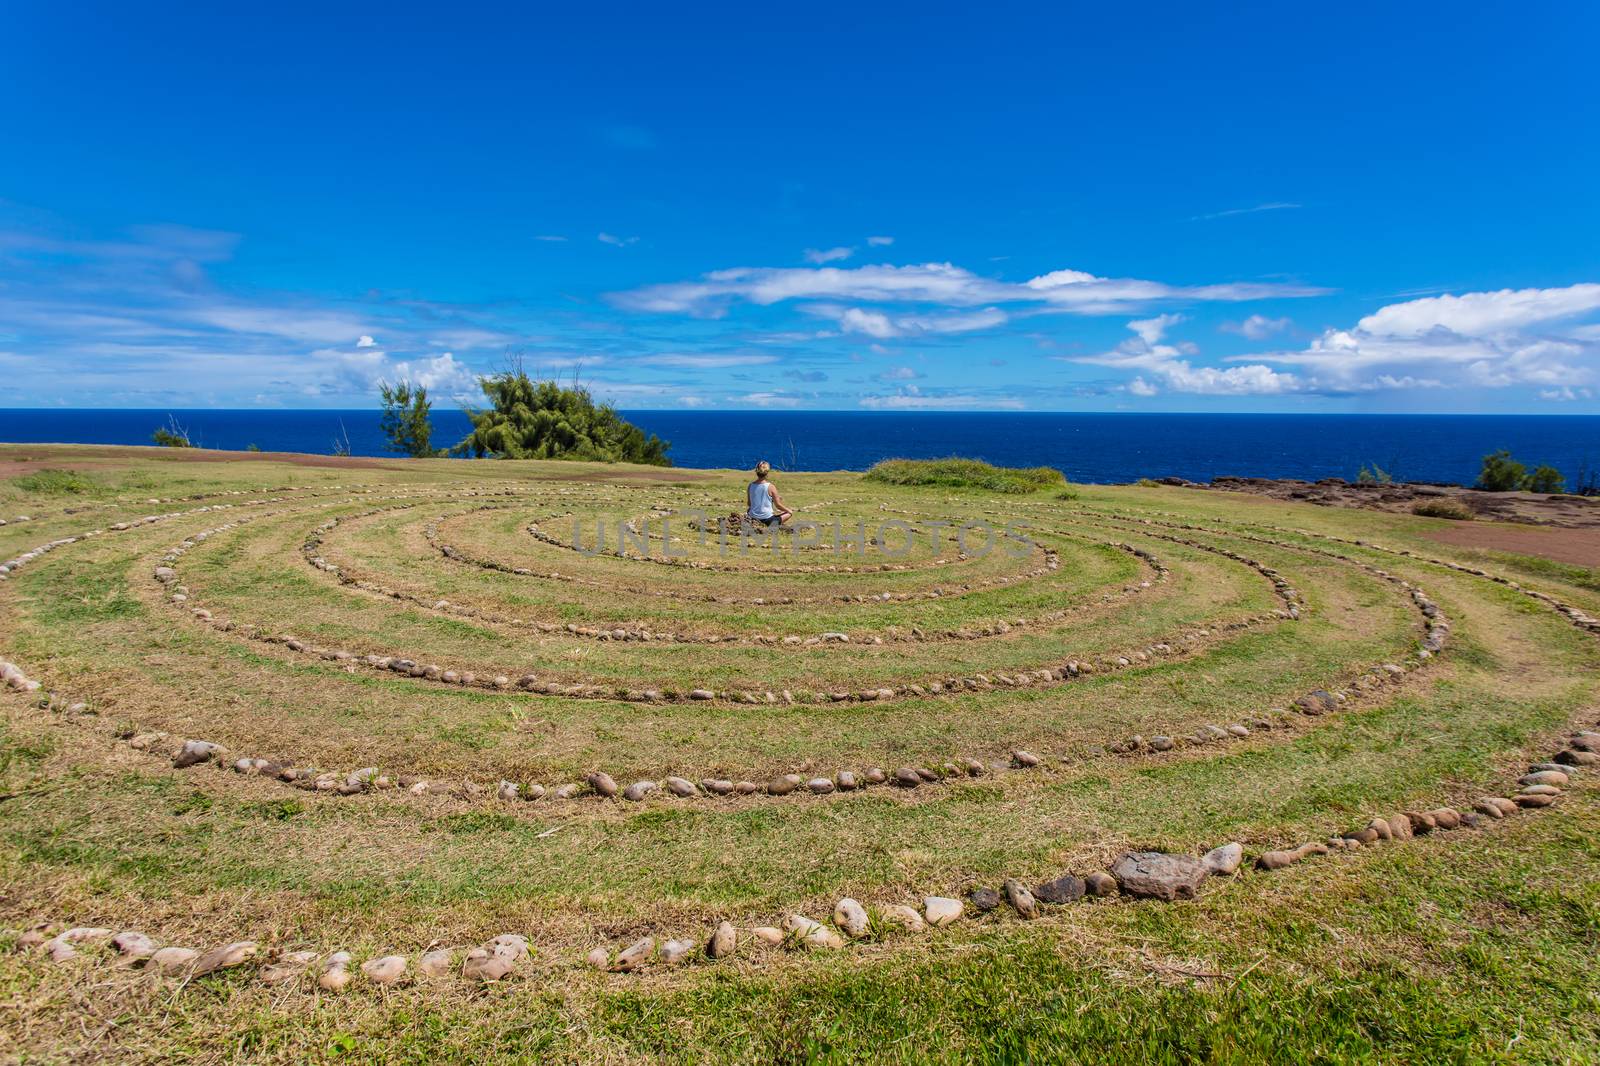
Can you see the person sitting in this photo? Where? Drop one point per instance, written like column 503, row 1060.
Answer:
column 765, row 505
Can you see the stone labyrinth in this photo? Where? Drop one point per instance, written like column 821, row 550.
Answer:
column 920, row 711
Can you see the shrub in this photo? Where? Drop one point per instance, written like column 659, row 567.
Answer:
column 1545, row 479
column 172, row 435
column 1375, row 475
column 954, row 473
column 55, row 483
column 1454, row 510
column 542, row 420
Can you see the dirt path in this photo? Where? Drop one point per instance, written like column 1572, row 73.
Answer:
column 1579, row 547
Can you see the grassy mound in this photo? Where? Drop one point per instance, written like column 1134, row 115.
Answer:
column 956, row 473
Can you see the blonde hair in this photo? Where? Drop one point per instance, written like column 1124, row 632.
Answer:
column 763, row 468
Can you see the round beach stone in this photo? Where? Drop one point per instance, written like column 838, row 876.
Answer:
column 851, row 918
column 1064, row 889
column 385, row 971
column 723, row 941
column 602, row 783
column 436, row 963
column 1223, row 861
column 1100, row 884
column 638, row 790
column 941, row 910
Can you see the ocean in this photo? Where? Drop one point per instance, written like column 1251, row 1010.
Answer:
column 1103, row 448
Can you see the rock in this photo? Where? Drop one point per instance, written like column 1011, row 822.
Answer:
column 638, row 790
column 1578, row 758
column 1400, row 827
column 768, row 934
column 874, row 776
column 679, row 786
column 1159, row 875
column 1446, row 817
column 1540, row 790
column 287, row 967
column 851, row 918
column 1161, row 743
column 702, row 694
column 513, row 946
column 1381, row 827
column 1100, row 884
column 717, row 786
column 1421, row 822
column 385, row 971
column 1021, row 899
column 225, row 957
column 507, row 790
column 1534, row 800
column 1489, row 808
column 905, row 917
column 172, row 960
column 195, row 752
column 906, row 777
column 635, row 955
column 603, row 784
column 1363, row 836
column 436, row 963
column 1224, row 860
column 1064, row 889
column 812, row 934
column 782, row 786
column 984, row 900
column 1277, row 860
column 1024, row 759
column 674, row 951
column 133, row 945
column 487, row 968
column 820, row 785
column 599, row 958
column 846, row 781
column 941, row 910
column 1317, row 702
column 1545, row 777
column 723, row 941
column 746, row 788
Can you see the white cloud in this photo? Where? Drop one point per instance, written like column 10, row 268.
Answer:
column 1151, row 330
column 769, row 399
column 706, row 362
column 1483, row 339
column 944, row 284
column 1481, row 314
column 899, row 373
column 366, row 341
column 883, row 326
column 613, row 239
column 1257, row 327
column 827, row 255
column 549, row 237
column 1163, row 362
column 1566, row 394
column 910, row 398
column 880, row 242
column 1273, row 206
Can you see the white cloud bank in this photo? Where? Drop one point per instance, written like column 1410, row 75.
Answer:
column 1503, row 339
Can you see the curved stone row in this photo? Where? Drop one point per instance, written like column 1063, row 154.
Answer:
column 1146, row 875
column 449, row 551
column 914, row 634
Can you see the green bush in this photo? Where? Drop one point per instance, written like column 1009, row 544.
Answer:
column 542, row 420
column 405, row 419
column 953, row 473
column 1546, row 479
column 1454, row 510
column 1501, row 473
column 55, row 483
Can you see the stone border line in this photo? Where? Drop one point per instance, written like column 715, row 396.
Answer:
column 1147, row 875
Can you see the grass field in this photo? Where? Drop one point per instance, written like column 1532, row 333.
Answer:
column 450, row 625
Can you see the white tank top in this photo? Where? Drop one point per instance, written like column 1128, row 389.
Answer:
column 759, row 494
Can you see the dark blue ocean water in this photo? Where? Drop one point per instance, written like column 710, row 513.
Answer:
column 1088, row 447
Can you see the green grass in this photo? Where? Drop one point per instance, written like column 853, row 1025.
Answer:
column 954, row 473
column 1474, row 946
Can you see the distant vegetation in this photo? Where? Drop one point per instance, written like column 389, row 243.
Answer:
column 172, row 435
column 1502, row 473
column 56, row 483
column 405, row 419
column 967, row 474
column 1374, row 475
column 531, row 419
column 1454, row 510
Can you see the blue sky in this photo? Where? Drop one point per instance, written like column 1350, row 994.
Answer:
column 1056, row 207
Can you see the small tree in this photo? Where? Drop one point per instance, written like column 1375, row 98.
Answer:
column 172, row 435
column 1501, row 473
column 405, row 419
column 541, row 420
column 1546, row 479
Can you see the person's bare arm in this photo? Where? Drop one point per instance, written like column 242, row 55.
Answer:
column 777, row 502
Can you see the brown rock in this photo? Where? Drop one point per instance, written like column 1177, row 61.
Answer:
column 1159, row 875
